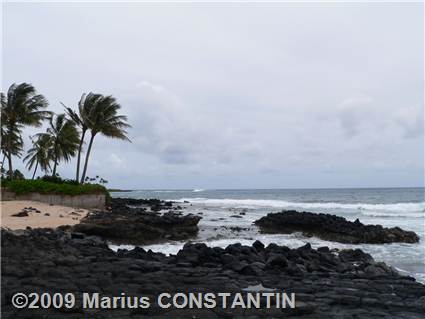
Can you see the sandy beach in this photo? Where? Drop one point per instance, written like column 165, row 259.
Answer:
column 40, row 215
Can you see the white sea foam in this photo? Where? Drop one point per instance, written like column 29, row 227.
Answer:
column 407, row 258
column 196, row 190
column 169, row 191
column 392, row 215
column 253, row 203
column 291, row 240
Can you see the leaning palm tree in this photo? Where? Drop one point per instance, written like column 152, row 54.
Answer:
column 80, row 118
column 40, row 154
column 21, row 106
column 11, row 144
column 65, row 139
column 104, row 119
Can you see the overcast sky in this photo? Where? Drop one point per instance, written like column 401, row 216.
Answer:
column 235, row 95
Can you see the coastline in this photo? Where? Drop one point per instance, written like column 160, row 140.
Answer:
column 389, row 207
column 325, row 282
column 72, row 258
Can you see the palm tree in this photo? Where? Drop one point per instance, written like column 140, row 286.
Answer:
column 11, row 144
column 40, row 154
column 22, row 106
column 65, row 138
column 85, row 107
column 104, row 119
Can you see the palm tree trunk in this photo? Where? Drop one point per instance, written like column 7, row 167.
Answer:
column 77, row 175
column 87, row 158
column 2, row 162
column 55, row 164
column 9, row 158
column 54, row 167
column 35, row 170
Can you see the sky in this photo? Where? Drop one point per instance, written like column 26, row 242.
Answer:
column 277, row 95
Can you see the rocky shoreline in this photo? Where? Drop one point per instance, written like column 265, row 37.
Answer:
column 327, row 284
column 76, row 259
column 332, row 228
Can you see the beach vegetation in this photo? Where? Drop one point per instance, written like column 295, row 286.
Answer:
column 81, row 120
column 64, row 138
column 40, row 155
column 25, row 186
column 21, row 106
column 103, row 119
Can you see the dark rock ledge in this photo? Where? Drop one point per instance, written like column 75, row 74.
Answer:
column 138, row 221
column 333, row 228
column 346, row 284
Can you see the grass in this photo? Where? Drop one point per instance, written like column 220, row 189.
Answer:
column 25, row 186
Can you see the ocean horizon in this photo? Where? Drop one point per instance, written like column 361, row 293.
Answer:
column 194, row 189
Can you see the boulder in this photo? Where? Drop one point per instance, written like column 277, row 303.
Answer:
column 327, row 285
column 333, row 228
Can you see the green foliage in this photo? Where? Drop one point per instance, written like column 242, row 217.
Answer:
column 25, row 186
column 17, row 174
column 100, row 115
column 95, row 180
column 58, row 180
column 40, row 154
column 21, row 106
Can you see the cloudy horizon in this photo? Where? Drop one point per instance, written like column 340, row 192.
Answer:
column 234, row 95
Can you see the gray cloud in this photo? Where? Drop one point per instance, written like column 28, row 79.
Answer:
column 411, row 120
column 220, row 96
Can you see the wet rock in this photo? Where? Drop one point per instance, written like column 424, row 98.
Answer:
column 136, row 225
column 332, row 228
column 258, row 245
column 77, row 235
column 327, row 285
column 350, row 255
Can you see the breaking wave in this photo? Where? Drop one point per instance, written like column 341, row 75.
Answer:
column 396, row 207
column 392, row 215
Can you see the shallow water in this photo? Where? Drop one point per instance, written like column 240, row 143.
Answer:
column 403, row 207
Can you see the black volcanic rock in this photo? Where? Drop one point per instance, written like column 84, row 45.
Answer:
column 21, row 214
column 333, row 228
column 136, row 221
column 153, row 204
column 348, row 284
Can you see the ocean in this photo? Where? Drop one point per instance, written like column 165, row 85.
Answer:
column 222, row 224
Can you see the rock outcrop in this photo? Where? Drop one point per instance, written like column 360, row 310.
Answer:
column 333, row 228
column 327, row 284
column 135, row 221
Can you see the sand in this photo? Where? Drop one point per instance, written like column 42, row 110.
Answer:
column 50, row 216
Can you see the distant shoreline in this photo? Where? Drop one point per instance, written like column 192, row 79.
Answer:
column 265, row 189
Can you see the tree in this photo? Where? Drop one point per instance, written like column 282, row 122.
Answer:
column 80, row 118
column 22, row 106
column 103, row 119
column 11, row 144
column 64, row 139
column 40, row 154
column 17, row 174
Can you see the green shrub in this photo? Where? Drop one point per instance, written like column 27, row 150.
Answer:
column 58, row 180
column 25, row 186
column 18, row 175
